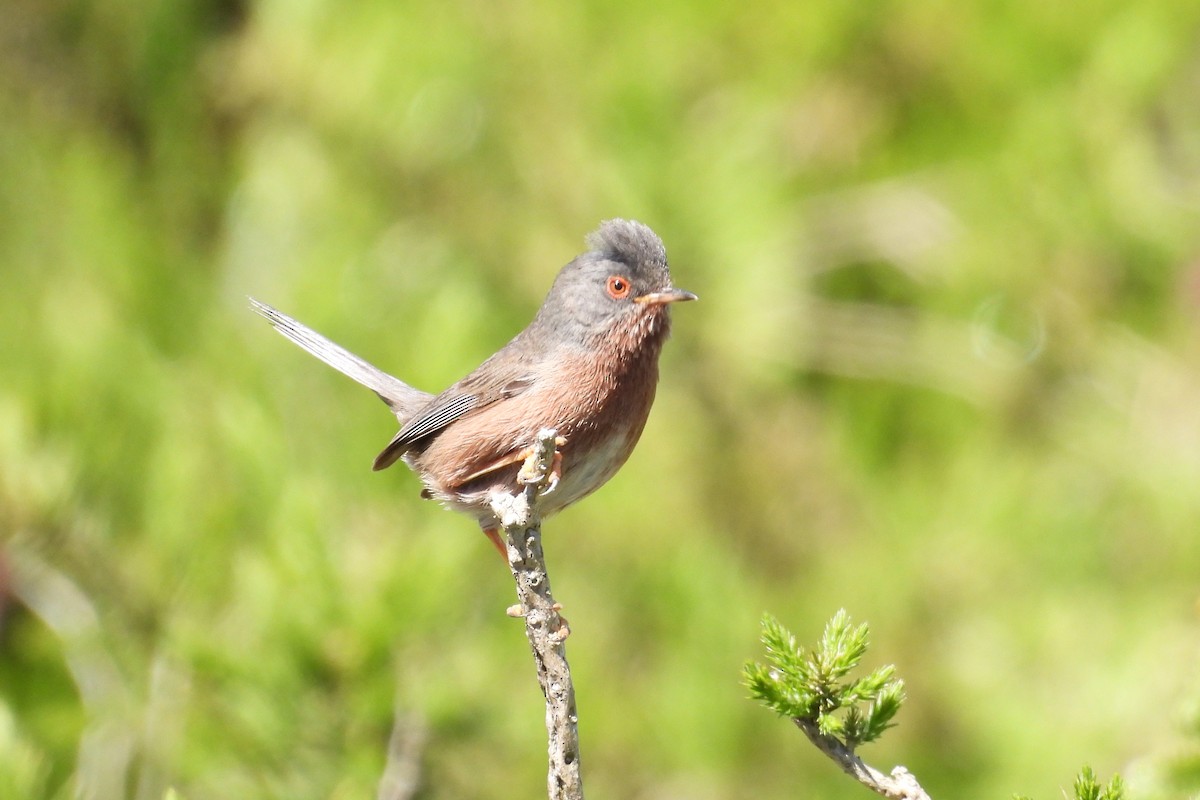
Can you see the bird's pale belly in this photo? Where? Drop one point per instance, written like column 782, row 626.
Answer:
column 581, row 477
column 585, row 468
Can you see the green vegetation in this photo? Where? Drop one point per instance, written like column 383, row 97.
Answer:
column 1088, row 788
column 945, row 372
column 804, row 684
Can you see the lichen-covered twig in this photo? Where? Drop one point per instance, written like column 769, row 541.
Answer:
column 545, row 628
column 899, row 785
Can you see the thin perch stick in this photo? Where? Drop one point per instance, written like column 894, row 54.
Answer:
column 544, row 627
column 899, row 785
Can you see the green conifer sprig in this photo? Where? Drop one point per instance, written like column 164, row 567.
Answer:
column 812, row 685
column 1088, row 787
column 837, row 714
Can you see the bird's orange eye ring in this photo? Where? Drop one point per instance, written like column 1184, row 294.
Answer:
column 618, row 287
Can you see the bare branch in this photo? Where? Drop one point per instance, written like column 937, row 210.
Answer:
column 899, row 785
column 544, row 627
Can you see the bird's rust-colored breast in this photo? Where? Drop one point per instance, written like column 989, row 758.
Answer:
column 598, row 399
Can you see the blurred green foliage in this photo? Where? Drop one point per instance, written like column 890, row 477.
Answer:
column 945, row 372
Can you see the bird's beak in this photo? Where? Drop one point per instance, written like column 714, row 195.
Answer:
column 664, row 297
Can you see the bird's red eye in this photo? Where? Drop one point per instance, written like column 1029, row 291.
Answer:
column 618, row 287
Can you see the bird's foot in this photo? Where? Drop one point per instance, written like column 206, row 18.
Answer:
column 493, row 535
column 527, row 476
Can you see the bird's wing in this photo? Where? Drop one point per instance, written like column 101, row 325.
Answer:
column 434, row 417
column 477, row 391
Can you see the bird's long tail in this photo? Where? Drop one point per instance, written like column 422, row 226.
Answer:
column 401, row 398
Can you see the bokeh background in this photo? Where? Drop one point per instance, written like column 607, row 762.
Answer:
column 945, row 373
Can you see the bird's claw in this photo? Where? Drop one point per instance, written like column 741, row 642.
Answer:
column 555, row 473
column 527, row 476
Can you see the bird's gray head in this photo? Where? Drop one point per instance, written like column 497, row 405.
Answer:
column 621, row 285
column 633, row 244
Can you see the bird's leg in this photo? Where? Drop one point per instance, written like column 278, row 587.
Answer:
column 497, row 541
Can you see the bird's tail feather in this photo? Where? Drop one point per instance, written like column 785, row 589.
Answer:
column 401, row 398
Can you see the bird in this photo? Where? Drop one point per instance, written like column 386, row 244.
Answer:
column 586, row 366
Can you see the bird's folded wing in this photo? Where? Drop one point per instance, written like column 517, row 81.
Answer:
column 452, row 405
column 431, row 419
